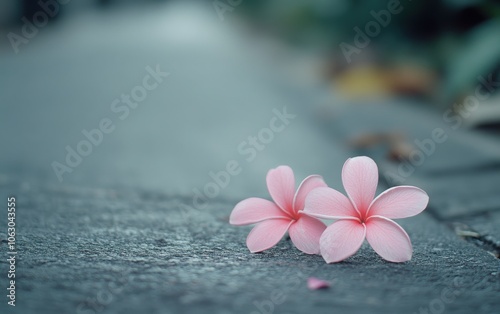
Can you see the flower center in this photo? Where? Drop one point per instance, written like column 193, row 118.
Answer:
column 363, row 215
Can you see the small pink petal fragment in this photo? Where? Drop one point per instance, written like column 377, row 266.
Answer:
column 314, row 283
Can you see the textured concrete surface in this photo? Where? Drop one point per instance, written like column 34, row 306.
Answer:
column 129, row 251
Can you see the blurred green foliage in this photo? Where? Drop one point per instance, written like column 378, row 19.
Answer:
column 458, row 39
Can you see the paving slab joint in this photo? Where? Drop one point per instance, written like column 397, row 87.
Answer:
column 483, row 241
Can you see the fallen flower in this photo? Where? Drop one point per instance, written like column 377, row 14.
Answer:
column 361, row 215
column 275, row 219
column 314, row 283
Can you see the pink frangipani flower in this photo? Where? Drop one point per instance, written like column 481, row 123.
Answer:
column 275, row 219
column 361, row 216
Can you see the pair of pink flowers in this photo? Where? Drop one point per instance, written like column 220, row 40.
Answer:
column 358, row 216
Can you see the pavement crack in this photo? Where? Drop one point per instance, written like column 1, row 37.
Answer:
column 483, row 241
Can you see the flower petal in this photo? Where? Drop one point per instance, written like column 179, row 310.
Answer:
column 314, row 283
column 399, row 202
column 305, row 234
column 328, row 203
column 360, row 179
column 388, row 239
column 253, row 210
column 341, row 239
column 266, row 234
column 281, row 186
column 310, row 183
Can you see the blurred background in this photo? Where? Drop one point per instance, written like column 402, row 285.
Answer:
column 359, row 77
column 118, row 117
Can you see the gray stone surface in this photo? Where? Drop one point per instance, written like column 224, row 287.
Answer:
column 488, row 223
column 130, row 251
column 221, row 90
column 482, row 230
